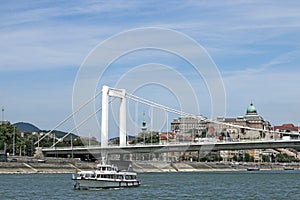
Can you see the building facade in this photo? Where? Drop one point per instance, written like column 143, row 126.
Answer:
column 252, row 120
column 201, row 130
column 287, row 128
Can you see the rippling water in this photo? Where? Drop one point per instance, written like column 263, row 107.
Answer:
column 197, row 185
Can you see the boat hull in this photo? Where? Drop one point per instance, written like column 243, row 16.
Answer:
column 253, row 169
column 86, row 184
column 288, row 168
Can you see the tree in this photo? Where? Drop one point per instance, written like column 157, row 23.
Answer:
column 151, row 137
column 265, row 158
column 235, row 158
column 248, row 158
column 8, row 133
column 282, row 157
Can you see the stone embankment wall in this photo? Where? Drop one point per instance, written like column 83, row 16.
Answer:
column 44, row 166
column 149, row 166
column 59, row 165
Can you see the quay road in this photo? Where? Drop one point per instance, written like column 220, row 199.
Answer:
column 171, row 147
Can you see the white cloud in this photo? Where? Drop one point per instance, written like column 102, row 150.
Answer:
column 288, row 59
column 53, row 38
column 276, row 92
column 255, row 43
column 38, row 48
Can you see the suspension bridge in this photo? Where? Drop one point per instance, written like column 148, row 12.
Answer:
column 124, row 148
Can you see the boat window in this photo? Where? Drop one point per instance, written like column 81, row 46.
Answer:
column 102, row 176
column 120, row 177
column 126, row 177
column 103, row 168
column 98, row 175
column 108, row 169
column 92, row 175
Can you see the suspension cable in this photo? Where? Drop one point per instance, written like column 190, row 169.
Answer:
column 81, row 123
column 146, row 102
column 165, row 108
column 68, row 117
column 168, row 109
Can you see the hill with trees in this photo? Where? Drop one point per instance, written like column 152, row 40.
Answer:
column 26, row 127
column 22, row 142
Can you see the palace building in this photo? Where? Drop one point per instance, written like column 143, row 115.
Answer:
column 200, row 128
column 190, row 129
column 251, row 120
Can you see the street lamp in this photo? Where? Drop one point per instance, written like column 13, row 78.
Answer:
column 5, row 147
column 298, row 129
column 14, row 140
column 72, row 145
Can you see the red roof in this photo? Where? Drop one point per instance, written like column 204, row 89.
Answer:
column 287, row 127
column 163, row 137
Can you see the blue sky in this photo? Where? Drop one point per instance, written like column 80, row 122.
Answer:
column 254, row 44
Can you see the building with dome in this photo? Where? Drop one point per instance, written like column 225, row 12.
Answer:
column 199, row 128
column 251, row 109
column 251, row 119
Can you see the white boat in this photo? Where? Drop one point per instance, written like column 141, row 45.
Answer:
column 253, row 169
column 105, row 176
column 288, row 168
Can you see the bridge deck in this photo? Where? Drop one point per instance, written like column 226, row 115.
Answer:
column 177, row 147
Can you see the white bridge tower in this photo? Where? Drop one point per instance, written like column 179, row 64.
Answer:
column 120, row 93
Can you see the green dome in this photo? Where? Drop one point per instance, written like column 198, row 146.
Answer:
column 251, row 109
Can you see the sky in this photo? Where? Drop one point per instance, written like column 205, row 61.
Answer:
column 255, row 45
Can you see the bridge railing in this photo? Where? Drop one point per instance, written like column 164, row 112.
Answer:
column 91, row 147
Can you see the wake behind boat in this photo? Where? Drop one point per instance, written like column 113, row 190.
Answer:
column 105, row 176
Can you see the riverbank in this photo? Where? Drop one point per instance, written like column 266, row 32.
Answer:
column 59, row 165
column 46, row 166
column 209, row 166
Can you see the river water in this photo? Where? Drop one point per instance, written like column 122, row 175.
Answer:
column 189, row 185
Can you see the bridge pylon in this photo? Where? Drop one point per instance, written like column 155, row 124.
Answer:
column 119, row 93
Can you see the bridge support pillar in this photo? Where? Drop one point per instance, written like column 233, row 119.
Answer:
column 119, row 93
column 122, row 125
column 104, row 118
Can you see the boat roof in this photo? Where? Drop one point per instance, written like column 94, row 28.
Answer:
column 102, row 165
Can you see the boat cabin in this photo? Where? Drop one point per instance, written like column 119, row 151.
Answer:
column 106, row 168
